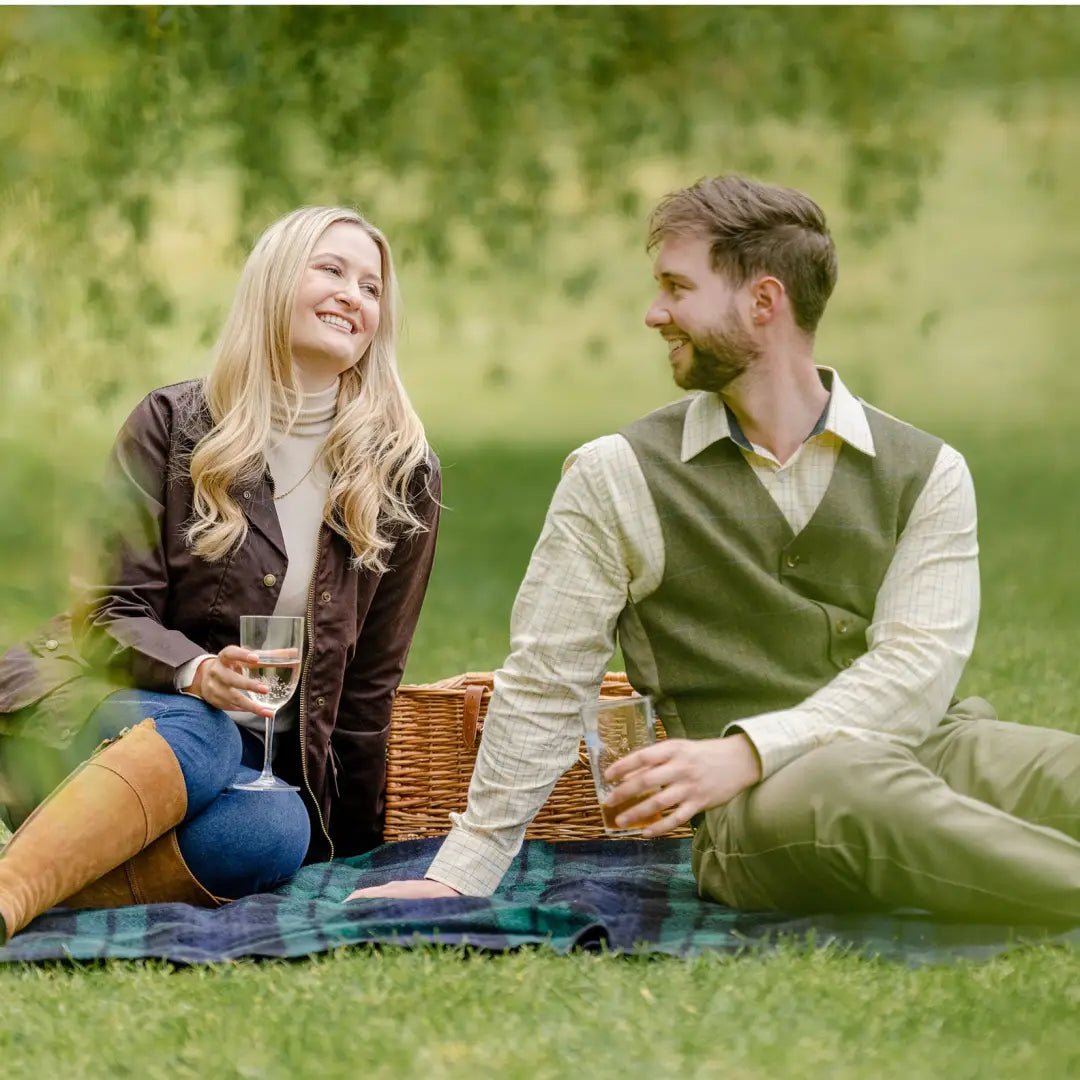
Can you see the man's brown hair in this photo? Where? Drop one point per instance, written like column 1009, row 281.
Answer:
column 756, row 228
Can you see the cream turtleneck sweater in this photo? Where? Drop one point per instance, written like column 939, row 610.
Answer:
column 300, row 487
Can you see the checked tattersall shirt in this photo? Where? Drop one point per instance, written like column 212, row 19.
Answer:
column 602, row 544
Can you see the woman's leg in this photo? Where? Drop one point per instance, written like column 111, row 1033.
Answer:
column 230, row 843
column 239, row 846
column 112, row 807
column 207, row 749
column 205, row 740
column 246, row 841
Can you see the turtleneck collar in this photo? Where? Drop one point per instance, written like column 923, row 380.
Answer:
column 317, row 412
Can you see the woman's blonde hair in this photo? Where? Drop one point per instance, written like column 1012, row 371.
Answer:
column 376, row 443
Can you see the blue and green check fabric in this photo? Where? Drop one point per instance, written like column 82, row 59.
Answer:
column 630, row 896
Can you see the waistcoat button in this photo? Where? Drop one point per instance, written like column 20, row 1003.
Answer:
column 51, row 644
column 792, row 561
column 325, row 598
column 269, row 581
column 320, row 701
column 247, row 494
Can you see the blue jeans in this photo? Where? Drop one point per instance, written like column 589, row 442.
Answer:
column 234, row 842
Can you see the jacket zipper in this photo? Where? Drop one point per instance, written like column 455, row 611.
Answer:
column 303, row 696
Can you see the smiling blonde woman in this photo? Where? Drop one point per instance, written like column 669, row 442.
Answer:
column 294, row 480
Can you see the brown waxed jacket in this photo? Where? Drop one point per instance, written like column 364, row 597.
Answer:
column 162, row 606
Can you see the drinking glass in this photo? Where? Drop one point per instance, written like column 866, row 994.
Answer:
column 279, row 642
column 613, row 728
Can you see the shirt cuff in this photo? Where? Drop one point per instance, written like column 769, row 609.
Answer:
column 778, row 737
column 469, row 863
column 185, row 674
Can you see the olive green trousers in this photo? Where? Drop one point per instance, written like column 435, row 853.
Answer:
column 980, row 822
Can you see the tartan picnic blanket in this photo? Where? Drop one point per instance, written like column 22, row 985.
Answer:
column 630, row 896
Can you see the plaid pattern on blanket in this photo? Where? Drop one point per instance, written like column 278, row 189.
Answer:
column 629, row 895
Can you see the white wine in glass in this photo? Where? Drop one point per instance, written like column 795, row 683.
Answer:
column 279, row 642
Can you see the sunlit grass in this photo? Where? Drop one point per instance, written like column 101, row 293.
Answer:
column 534, row 1015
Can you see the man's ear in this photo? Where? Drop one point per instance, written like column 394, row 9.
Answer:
column 766, row 299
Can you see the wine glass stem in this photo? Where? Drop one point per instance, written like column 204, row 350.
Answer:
column 268, row 748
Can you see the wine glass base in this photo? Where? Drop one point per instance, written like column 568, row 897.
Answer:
column 271, row 783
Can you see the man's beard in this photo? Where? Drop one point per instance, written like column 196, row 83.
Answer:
column 719, row 357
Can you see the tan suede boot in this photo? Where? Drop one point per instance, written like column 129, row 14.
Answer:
column 157, row 875
column 106, row 811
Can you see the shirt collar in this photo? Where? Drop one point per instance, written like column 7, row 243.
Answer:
column 708, row 420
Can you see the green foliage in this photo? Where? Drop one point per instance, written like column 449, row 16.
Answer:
column 465, row 111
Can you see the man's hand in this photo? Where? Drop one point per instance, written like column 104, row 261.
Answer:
column 220, row 681
column 424, row 889
column 685, row 776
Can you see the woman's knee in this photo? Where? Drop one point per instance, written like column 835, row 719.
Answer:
column 246, row 842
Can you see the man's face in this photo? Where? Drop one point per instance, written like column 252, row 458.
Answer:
column 698, row 313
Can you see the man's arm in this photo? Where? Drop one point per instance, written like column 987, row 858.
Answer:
column 921, row 635
column 562, row 637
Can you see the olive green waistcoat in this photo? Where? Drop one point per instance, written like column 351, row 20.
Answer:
column 750, row 617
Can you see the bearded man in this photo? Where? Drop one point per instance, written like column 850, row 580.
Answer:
column 793, row 575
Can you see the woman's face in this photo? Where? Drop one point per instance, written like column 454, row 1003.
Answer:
column 336, row 310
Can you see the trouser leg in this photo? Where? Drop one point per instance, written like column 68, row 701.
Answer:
column 1030, row 772
column 867, row 826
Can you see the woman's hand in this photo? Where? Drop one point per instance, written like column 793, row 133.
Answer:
column 423, row 889
column 220, row 681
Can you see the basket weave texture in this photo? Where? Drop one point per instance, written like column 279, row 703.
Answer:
column 434, row 736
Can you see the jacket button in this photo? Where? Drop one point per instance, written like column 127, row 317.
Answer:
column 792, row 561
column 247, row 494
column 848, row 661
column 843, row 626
column 51, row 644
column 325, row 598
column 320, row 701
column 269, row 581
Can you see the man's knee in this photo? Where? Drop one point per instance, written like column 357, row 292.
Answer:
column 849, row 778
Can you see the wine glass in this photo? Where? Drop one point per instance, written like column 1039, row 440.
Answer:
column 278, row 640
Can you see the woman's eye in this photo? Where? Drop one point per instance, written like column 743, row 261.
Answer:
column 333, row 269
column 372, row 290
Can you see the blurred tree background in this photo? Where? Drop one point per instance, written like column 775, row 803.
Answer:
column 512, row 154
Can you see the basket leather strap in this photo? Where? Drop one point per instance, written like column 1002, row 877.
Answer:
column 470, row 719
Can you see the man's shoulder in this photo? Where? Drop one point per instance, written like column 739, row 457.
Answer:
column 597, row 454
column 890, row 432
column 671, row 415
column 613, row 448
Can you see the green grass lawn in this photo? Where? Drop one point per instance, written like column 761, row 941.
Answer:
column 794, row 1013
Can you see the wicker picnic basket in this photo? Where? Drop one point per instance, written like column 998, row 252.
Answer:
column 434, row 736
